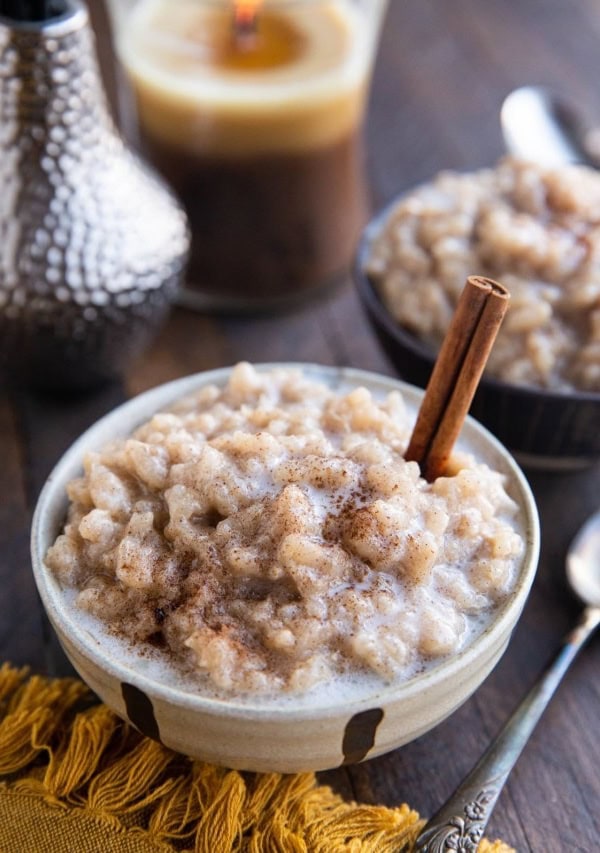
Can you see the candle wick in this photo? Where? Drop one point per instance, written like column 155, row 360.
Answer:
column 245, row 29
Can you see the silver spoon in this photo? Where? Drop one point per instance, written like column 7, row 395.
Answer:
column 539, row 125
column 460, row 823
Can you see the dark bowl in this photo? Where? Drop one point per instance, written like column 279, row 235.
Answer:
column 543, row 429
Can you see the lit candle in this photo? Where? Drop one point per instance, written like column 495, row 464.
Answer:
column 253, row 112
column 245, row 23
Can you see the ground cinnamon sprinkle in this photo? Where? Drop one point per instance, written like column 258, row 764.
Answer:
column 269, row 538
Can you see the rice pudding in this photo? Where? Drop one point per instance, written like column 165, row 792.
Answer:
column 538, row 231
column 267, row 537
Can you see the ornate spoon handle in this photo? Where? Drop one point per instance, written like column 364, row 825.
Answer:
column 460, row 823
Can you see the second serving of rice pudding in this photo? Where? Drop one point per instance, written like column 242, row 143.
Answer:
column 535, row 229
column 268, row 537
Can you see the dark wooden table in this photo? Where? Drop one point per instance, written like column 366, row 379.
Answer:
column 443, row 70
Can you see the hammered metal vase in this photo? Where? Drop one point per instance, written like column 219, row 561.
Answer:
column 92, row 244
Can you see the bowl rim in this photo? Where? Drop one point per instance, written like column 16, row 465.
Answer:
column 368, row 291
column 53, row 498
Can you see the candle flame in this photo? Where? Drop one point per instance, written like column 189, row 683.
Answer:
column 245, row 15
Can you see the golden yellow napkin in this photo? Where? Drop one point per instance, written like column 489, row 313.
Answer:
column 74, row 778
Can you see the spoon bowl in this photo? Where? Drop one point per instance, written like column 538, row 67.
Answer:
column 583, row 562
column 540, row 125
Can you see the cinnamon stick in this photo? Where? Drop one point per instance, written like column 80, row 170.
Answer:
column 456, row 374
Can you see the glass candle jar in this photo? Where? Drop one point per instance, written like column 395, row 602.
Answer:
column 253, row 112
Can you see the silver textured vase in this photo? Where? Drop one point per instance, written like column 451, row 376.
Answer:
column 92, row 244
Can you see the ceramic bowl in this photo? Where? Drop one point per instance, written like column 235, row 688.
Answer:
column 252, row 736
column 543, row 429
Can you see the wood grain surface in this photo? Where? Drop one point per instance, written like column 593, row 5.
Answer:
column 443, row 69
